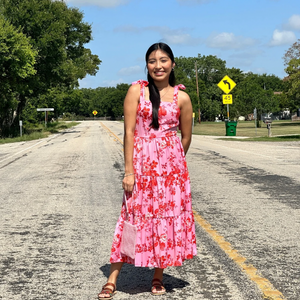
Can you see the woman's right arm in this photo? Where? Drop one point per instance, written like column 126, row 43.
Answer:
column 131, row 103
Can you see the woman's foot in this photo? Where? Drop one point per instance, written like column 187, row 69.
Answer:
column 157, row 287
column 108, row 291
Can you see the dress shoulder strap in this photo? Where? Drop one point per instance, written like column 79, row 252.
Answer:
column 176, row 88
column 143, row 83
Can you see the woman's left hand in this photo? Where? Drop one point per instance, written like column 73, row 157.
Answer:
column 128, row 183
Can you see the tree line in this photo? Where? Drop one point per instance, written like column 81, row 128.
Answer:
column 251, row 91
column 43, row 56
column 266, row 93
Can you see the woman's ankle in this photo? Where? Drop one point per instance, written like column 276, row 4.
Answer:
column 158, row 274
column 115, row 269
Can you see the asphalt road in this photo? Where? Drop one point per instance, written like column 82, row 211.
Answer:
column 60, row 198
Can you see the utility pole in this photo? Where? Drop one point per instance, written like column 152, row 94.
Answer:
column 196, row 70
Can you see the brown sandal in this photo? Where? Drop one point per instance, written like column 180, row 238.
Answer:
column 158, row 285
column 107, row 291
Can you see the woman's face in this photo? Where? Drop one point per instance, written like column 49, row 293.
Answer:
column 159, row 65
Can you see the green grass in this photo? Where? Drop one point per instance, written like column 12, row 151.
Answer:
column 58, row 126
column 286, row 138
column 40, row 132
column 281, row 130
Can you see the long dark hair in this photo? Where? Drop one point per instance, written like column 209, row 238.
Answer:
column 153, row 91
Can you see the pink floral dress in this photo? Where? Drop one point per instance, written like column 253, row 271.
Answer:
column 160, row 205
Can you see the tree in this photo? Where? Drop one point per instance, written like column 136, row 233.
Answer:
column 210, row 71
column 292, row 53
column 293, row 70
column 17, row 60
column 112, row 100
column 253, row 90
column 107, row 101
column 237, row 75
column 251, row 93
column 292, row 63
column 59, row 34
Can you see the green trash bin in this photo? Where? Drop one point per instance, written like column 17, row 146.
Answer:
column 230, row 128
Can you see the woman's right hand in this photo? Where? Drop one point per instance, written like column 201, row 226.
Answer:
column 128, row 183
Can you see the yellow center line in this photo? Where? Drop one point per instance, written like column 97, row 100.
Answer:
column 113, row 134
column 267, row 289
column 264, row 285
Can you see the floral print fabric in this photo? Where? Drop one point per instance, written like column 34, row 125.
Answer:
column 160, row 204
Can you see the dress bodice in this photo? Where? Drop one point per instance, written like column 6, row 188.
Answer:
column 168, row 115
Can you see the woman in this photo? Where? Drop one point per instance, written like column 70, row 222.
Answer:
column 156, row 180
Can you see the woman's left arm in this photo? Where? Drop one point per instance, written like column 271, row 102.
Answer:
column 185, row 119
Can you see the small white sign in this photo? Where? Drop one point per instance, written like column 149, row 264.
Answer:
column 45, row 109
column 20, row 123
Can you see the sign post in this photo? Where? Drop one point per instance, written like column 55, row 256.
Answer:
column 199, row 114
column 193, row 122
column 226, row 85
column 21, row 124
column 46, row 113
column 255, row 118
column 268, row 121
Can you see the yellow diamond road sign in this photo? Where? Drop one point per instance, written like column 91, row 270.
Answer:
column 226, row 84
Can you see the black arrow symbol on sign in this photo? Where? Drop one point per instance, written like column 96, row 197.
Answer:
column 226, row 82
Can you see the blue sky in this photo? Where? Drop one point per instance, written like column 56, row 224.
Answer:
column 251, row 35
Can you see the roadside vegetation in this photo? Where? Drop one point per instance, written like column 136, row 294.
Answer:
column 39, row 132
column 281, row 130
column 43, row 57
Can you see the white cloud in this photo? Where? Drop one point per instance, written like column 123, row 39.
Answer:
column 100, row 3
column 282, row 38
column 243, row 59
column 109, row 83
column 226, row 40
column 168, row 35
column 174, row 36
column 177, row 38
column 293, row 23
column 130, row 71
